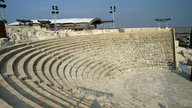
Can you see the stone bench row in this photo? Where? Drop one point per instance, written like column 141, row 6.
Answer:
column 43, row 60
column 61, row 63
column 12, row 70
column 15, row 74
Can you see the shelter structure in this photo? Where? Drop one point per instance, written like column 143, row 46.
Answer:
column 25, row 22
column 79, row 24
column 44, row 23
column 71, row 23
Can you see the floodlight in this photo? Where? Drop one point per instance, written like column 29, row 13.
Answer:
column 53, row 7
column 2, row 0
column 3, row 6
column 56, row 8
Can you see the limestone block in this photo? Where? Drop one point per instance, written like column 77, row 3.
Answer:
column 3, row 41
column 43, row 29
column 18, row 37
column 37, row 27
column 25, row 37
column 29, row 33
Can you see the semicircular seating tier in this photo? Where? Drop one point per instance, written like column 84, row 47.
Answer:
column 45, row 73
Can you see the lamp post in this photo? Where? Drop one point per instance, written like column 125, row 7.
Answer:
column 163, row 20
column 112, row 11
column 55, row 11
column 1, row 11
column 187, row 50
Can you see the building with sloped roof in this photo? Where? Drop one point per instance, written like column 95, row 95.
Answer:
column 70, row 23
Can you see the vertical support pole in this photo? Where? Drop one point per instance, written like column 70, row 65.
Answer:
column 166, row 24
column 55, row 23
column 55, row 11
column 159, row 24
column 1, row 14
column 113, row 17
column 1, row 10
column 187, row 50
column 112, row 11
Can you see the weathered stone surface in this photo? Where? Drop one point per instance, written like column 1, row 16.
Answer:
column 98, row 68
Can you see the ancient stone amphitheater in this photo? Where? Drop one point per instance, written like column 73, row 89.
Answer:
column 133, row 68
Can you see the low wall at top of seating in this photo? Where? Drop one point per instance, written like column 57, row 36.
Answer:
column 24, row 33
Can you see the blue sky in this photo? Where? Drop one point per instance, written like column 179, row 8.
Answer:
column 130, row 13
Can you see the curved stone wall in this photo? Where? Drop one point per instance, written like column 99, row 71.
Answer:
column 56, row 72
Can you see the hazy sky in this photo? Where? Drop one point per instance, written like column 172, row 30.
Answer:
column 130, row 13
